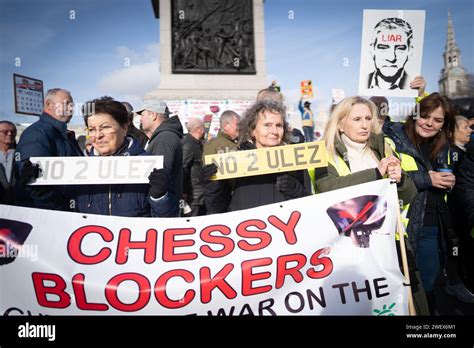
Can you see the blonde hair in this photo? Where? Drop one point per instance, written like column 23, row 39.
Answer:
column 340, row 113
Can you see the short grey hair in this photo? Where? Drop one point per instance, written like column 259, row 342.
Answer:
column 227, row 117
column 51, row 93
column 460, row 119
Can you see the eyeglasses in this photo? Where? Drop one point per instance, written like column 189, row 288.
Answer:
column 8, row 131
column 104, row 130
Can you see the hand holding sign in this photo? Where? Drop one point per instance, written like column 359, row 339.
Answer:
column 276, row 159
column 207, row 172
column 289, row 186
column 92, row 170
column 159, row 179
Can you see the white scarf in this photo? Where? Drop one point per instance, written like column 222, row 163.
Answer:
column 360, row 156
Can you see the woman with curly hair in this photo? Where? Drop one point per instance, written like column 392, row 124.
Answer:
column 424, row 143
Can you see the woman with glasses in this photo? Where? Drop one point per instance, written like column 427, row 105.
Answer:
column 107, row 124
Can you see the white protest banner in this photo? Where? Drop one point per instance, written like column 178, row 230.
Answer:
column 391, row 52
column 96, row 169
column 268, row 160
column 327, row 254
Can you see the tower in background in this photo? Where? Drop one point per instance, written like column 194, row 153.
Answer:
column 454, row 81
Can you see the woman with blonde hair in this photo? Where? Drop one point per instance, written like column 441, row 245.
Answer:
column 357, row 152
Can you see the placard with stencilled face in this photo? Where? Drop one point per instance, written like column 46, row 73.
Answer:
column 96, row 170
column 278, row 159
column 391, row 52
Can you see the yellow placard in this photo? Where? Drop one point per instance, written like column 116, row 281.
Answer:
column 278, row 159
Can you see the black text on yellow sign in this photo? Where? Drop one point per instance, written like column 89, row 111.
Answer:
column 268, row 160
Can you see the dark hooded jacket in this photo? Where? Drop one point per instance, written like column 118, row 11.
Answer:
column 166, row 141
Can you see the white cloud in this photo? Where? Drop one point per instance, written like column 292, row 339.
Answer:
column 132, row 82
column 125, row 52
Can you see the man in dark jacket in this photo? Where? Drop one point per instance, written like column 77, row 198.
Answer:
column 132, row 130
column 165, row 135
column 47, row 137
column 193, row 191
column 463, row 195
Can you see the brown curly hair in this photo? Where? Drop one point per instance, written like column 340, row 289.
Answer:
column 249, row 121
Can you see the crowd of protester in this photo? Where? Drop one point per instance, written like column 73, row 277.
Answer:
column 429, row 156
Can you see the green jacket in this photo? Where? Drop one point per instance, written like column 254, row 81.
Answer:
column 220, row 144
column 330, row 178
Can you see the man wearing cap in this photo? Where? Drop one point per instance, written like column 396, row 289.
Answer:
column 165, row 135
column 307, row 120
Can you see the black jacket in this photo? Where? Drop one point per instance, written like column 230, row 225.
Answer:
column 192, row 164
column 422, row 180
column 47, row 137
column 253, row 191
column 166, row 141
column 7, row 186
column 137, row 135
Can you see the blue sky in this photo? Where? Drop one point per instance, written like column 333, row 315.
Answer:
column 86, row 51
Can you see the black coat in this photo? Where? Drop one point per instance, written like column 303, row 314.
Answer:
column 166, row 141
column 192, row 164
